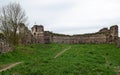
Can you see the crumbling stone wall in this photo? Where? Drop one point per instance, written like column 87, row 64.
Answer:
column 90, row 38
column 26, row 36
column 80, row 39
column 57, row 38
column 104, row 35
column 48, row 37
column 4, row 45
column 118, row 43
column 38, row 35
column 114, row 33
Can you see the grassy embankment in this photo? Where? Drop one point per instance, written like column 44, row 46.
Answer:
column 80, row 59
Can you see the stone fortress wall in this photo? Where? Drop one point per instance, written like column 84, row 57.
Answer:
column 105, row 35
column 38, row 35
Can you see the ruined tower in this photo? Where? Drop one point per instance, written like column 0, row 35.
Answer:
column 38, row 33
column 25, row 35
column 114, row 33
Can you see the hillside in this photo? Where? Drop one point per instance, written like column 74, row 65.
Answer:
column 63, row 59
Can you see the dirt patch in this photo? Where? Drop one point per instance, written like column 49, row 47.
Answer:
column 60, row 53
column 117, row 70
column 9, row 66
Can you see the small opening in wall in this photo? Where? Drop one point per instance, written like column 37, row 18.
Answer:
column 34, row 33
column 36, row 29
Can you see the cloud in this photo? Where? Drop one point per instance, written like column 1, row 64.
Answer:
column 71, row 16
column 90, row 14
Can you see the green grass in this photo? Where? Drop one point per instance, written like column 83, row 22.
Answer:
column 80, row 59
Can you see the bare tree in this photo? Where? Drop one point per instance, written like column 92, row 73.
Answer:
column 11, row 16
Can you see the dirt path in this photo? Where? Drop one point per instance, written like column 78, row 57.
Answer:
column 117, row 70
column 62, row 52
column 9, row 66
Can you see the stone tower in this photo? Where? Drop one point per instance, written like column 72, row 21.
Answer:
column 38, row 33
column 114, row 33
column 25, row 34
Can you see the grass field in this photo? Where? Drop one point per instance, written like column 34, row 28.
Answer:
column 79, row 59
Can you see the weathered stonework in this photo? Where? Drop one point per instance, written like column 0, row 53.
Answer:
column 38, row 33
column 4, row 45
column 25, row 35
column 104, row 35
column 39, row 36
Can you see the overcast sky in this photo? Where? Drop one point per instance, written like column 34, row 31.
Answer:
column 71, row 16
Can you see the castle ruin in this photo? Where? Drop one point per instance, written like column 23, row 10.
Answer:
column 38, row 35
